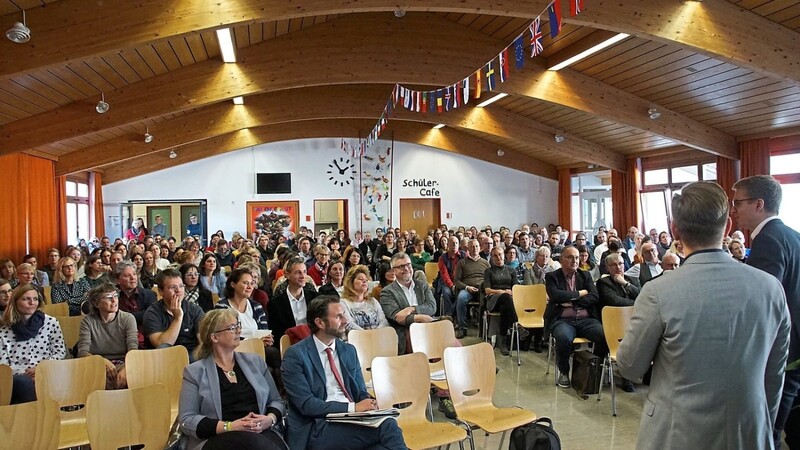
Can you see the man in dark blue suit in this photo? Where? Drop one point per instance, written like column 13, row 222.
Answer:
column 322, row 376
column 775, row 249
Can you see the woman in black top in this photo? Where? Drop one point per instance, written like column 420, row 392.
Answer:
column 498, row 280
column 385, row 251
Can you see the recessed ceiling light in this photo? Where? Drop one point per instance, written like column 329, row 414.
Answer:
column 653, row 113
column 226, row 48
column 148, row 138
column 500, row 152
column 399, row 12
column 489, row 101
column 559, row 138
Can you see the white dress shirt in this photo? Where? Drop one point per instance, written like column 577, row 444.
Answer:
column 299, row 307
column 332, row 388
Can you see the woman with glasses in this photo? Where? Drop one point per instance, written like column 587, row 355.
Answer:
column 66, row 286
column 228, row 398
column 195, row 292
column 108, row 332
column 5, row 295
column 28, row 336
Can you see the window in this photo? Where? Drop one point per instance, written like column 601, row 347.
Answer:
column 785, row 167
column 685, row 174
column 710, row 172
column 659, row 176
column 77, row 211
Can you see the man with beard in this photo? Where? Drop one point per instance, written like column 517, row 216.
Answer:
column 322, row 376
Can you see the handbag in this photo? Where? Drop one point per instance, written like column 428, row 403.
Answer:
column 177, row 440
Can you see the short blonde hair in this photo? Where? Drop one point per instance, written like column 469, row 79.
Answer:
column 211, row 322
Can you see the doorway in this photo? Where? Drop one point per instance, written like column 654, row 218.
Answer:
column 330, row 215
column 174, row 213
column 420, row 214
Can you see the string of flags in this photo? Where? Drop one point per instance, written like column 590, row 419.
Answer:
column 487, row 76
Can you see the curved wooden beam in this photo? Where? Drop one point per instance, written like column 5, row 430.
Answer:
column 415, row 133
column 329, row 102
column 324, row 55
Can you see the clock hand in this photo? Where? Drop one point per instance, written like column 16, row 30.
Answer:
column 337, row 164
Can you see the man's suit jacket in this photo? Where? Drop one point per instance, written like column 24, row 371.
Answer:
column 280, row 316
column 304, row 379
column 393, row 300
column 776, row 250
column 200, row 394
column 557, row 293
column 717, row 333
column 612, row 293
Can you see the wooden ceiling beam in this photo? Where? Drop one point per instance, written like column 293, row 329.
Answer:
column 415, row 133
column 334, row 102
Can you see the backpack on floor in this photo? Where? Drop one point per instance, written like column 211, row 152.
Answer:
column 538, row 435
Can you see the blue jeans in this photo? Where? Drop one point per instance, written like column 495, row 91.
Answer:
column 565, row 330
column 23, row 390
column 343, row 436
column 462, row 300
column 448, row 305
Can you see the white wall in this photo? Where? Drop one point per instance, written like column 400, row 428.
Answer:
column 472, row 191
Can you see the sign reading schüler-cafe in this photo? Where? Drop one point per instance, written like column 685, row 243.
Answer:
column 427, row 188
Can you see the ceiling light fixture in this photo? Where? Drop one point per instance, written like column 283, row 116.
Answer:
column 438, row 126
column 399, row 12
column 589, row 52
column 559, row 138
column 489, row 101
column 19, row 33
column 172, row 154
column 225, row 39
column 500, row 152
column 148, row 138
column 102, row 106
column 653, row 112
column 238, row 100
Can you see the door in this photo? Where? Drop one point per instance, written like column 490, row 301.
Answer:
column 420, row 214
column 330, row 215
column 186, row 212
column 165, row 213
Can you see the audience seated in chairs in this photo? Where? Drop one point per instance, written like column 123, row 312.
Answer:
column 171, row 321
column 363, row 312
column 288, row 308
column 67, row 287
column 468, row 280
column 499, row 279
column 406, row 300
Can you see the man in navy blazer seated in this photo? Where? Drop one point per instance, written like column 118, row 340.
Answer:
column 322, row 376
column 571, row 311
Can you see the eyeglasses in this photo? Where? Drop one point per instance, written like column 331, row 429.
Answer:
column 7, row 292
column 192, row 274
column 249, row 283
column 574, row 258
column 739, row 201
column 235, row 328
column 176, row 288
column 109, row 297
column 403, row 266
column 69, row 266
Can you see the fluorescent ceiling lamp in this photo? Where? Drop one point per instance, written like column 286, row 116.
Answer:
column 238, row 100
column 438, row 126
column 226, row 45
column 489, row 101
column 588, row 52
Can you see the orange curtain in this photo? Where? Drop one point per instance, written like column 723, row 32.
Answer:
column 625, row 197
column 754, row 155
column 565, row 199
column 42, row 223
column 96, row 201
column 727, row 175
column 14, row 204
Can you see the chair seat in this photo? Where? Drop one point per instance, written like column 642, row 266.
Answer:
column 420, row 435
column 494, row 420
column 440, row 384
column 580, row 340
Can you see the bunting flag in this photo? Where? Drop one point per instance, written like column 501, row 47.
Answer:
column 478, row 84
column 536, row 36
column 555, row 18
column 490, row 84
column 424, row 102
column 439, row 99
column 465, row 87
column 389, row 109
column 419, row 101
column 447, row 99
column 406, row 98
column 395, row 93
column 519, row 50
column 456, row 95
column 575, row 7
column 432, row 102
column 503, row 56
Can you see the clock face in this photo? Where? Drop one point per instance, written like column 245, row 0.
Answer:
column 342, row 171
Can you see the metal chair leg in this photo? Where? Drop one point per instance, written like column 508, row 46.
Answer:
column 516, row 330
column 502, row 439
column 613, row 388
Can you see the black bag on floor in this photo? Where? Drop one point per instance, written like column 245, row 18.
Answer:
column 538, row 435
column 586, row 371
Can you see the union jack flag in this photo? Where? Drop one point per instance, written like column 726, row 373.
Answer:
column 536, row 37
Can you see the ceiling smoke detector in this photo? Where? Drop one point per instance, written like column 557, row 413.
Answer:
column 19, row 33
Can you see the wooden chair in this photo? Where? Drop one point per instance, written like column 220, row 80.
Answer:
column 48, row 294
column 56, row 309
column 227, row 269
column 551, row 351
column 286, row 342
column 126, row 417
column 401, row 380
column 155, row 290
column 431, row 272
column 214, row 298
column 6, row 383
column 431, row 339
column 69, row 382
column 471, row 376
column 163, row 365
column 529, row 303
column 252, row 345
column 33, row 425
column 615, row 322
column 370, row 344
column 70, row 328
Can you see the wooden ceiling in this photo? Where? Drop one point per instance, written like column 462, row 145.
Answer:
column 718, row 71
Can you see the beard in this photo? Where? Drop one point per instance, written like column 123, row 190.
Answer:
column 336, row 332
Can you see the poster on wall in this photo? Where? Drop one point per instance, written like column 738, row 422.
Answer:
column 273, row 217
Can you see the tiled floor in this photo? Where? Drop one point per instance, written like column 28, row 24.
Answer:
column 581, row 424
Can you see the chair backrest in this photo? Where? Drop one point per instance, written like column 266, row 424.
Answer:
column 286, row 342
column 530, row 302
column 214, row 298
column 402, row 379
column 615, row 322
column 431, row 339
column 470, row 376
column 6, row 382
column 252, row 345
column 30, row 425
column 155, row 289
column 163, row 365
column 48, row 294
column 70, row 381
column 227, row 269
column 126, row 417
column 70, row 328
column 370, row 344
column 56, row 309
column 431, row 272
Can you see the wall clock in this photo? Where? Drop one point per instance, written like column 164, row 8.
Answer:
column 341, row 171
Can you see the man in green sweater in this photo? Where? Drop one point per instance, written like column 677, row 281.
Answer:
column 468, row 280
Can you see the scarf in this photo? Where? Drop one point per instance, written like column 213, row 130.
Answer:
column 24, row 331
column 513, row 264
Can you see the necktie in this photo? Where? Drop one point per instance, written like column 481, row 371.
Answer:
column 336, row 374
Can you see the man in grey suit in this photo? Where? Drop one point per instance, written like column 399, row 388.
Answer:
column 406, row 300
column 717, row 334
